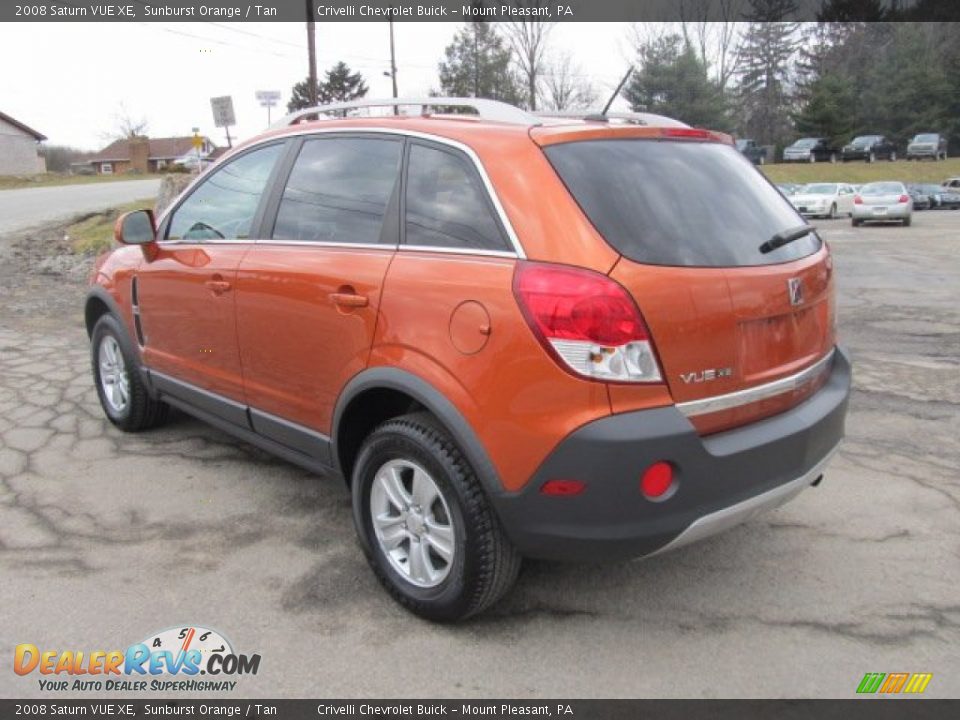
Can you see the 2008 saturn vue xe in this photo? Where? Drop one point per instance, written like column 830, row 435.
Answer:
column 511, row 336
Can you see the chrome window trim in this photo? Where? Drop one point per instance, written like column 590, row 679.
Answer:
column 457, row 251
column 468, row 151
column 755, row 394
column 327, row 243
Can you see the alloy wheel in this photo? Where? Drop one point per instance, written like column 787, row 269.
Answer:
column 412, row 523
column 114, row 380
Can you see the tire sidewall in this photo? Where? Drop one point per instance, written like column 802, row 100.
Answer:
column 448, row 599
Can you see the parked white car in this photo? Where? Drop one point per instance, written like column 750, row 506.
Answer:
column 882, row 202
column 828, row 200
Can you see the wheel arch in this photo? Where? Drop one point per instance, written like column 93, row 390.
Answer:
column 379, row 393
column 99, row 303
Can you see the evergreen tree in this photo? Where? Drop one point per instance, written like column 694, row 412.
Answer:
column 338, row 85
column 672, row 80
column 826, row 112
column 766, row 54
column 478, row 65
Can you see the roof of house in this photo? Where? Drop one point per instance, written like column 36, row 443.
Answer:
column 20, row 126
column 160, row 149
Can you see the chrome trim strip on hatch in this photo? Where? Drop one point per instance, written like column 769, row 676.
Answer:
column 734, row 515
column 755, row 394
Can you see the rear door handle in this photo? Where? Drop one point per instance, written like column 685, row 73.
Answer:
column 351, row 300
column 218, row 286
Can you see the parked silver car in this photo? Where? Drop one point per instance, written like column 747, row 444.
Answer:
column 927, row 145
column 882, row 202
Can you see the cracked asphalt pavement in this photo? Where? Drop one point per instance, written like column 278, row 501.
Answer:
column 106, row 537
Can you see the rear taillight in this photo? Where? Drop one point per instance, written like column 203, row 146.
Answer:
column 857, row 200
column 904, row 199
column 586, row 320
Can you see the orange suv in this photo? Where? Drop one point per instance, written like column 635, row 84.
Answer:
column 511, row 335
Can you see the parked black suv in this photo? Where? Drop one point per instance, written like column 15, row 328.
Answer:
column 810, row 150
column 757, row 154
column 869, row 148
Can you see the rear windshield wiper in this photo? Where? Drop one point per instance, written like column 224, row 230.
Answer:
column 785, row 237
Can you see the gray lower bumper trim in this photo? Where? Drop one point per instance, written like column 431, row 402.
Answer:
column 728, row 517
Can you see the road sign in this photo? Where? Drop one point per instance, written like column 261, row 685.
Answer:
column 268, row 98
column 223, row 111
column 197, row 142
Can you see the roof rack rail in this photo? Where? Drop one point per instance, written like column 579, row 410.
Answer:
column 636, row 118
column 493, row 110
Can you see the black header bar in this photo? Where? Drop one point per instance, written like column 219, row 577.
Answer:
column 464, row 10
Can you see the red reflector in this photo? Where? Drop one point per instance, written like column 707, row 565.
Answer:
column 904, row 199
column 688, row 133
column 657, row 480
column 563, row 487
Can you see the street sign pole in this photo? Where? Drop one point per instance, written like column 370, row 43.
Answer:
column 268, row 99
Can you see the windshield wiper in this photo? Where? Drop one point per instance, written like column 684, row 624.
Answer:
column 785, row 237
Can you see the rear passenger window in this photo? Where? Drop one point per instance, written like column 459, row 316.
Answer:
column 338, row 190
column 447, row 204
column 222, row 208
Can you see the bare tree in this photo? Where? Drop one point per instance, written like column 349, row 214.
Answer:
column 125, row 126
column 564, row 87
column 528, row 40
column 710, row 27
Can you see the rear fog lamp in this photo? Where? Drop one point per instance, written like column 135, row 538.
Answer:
column 657, row 482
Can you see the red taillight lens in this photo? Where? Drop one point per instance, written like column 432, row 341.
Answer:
column 563, row 488
column 857, row 200
column 586, row 319
column 904, row 199
column 570, row 304
column 657, row 480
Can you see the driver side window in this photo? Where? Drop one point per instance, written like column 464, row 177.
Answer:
column 223, row 206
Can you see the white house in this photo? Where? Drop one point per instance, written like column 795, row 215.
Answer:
column 19, row 148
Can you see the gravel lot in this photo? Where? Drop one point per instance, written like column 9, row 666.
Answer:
column 105, row 538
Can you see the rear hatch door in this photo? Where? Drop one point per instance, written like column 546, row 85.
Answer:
column 689, row 219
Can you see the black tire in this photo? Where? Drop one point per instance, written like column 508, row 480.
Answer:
column 485, row 564
column 833, row 212
column 855, row 222
column 907, row 221
column 141, row 411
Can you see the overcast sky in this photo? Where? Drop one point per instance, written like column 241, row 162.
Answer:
column 69, row 81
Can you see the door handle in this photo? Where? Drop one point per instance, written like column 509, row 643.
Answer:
column 350, row 300
column 218, row 286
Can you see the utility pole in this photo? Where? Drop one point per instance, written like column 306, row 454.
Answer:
column 393, row 65
column 312, row 54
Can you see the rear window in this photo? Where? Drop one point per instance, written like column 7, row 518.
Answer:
column 680, row 203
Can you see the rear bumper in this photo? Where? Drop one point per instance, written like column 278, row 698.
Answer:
column 895, row 211
column 721, row 479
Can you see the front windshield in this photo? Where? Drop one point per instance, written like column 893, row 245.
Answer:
column 820, row 189
column 741, row 144
column 865, row 140
column 805, row 143
column 881, row 188
column 925, row 139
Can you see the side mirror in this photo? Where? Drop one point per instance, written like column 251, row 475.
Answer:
column 138, row 228
column 135, row 228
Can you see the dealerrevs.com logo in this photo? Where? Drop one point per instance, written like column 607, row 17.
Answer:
column 188, row 659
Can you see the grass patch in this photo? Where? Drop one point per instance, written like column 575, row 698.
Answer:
column 15, row 182
column 93, row 234
column 857, row 173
